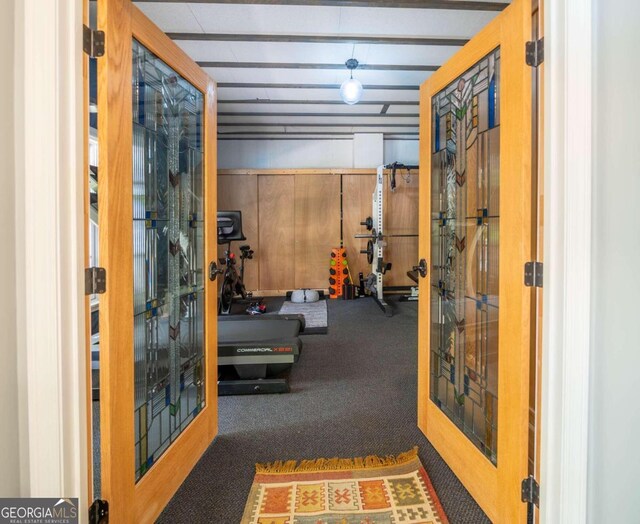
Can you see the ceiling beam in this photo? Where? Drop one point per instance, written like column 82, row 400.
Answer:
column 294, row 124
column 223, row 138
column 317, row 102
column 318, row 39
column 306, row 133
column 288, row 65
column 466, row 5
column 309, row 133
column 387, row 137
column 352, row 115
column 243, row 85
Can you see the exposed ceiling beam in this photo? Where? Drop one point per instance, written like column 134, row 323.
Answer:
column 241, row 85
column 294, row 124
column 317, row 102
column 288, row 65
column 388, row 137
column 308, row 133
column 222, row 138
column 467, row 5
column 352, row 115
column 394, row 134
column 318, row 39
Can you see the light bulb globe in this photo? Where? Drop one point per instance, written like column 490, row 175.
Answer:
column 351, row 91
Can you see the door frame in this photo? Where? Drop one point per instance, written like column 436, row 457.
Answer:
column 567, row 267
column 49, row 256
column 49, row 37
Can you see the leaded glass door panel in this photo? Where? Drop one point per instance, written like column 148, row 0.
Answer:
column 157, row 191
column 475, row 233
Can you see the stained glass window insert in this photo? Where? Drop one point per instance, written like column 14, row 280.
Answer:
column 168, row 257
column 465, row 221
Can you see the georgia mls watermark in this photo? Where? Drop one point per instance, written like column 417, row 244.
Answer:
column 39, row 511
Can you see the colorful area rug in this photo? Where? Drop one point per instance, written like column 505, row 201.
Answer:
column 371, row 490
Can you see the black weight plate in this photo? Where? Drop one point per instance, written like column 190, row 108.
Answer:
column 370, row 252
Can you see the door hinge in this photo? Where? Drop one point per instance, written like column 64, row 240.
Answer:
column 533, row 272
column 534, row 52
column 92, row 42
column 95, row 280
column 99, row 512
column 530, row 491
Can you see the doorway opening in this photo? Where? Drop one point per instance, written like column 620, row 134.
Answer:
column 352, row 390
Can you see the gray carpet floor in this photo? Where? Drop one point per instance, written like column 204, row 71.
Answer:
column 353, row 394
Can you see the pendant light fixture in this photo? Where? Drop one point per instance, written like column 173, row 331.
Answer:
column 351, row 89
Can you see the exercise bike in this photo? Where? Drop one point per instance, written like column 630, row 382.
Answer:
column 230, row 230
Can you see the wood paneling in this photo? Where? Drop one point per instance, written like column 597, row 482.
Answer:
column 402, row 252
column 317, row 227
column 241, row 193
column 309, row 199
column 356, row 171
column 357, row 191
column 276, row 231
column 401, row 205
column 401, row 218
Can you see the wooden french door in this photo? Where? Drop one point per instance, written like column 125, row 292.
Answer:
column 157, row 209
column 476, row 235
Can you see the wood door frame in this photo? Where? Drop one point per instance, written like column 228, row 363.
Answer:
column 486, row 482
column 567, row 269
column 142, row 501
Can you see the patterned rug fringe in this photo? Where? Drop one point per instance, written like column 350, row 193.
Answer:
column 336, row 464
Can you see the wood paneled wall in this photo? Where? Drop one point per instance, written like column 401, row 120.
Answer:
column 317, row 227
column 276, row 216
column 241, row 193
column 401, row 218
column 292, row 219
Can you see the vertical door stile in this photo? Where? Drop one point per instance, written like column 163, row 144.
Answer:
column 115, row 203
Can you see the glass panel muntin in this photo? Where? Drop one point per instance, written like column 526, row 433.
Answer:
column 168, row 255
column 465, row 202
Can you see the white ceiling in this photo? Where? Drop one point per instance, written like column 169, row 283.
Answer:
column 250, row 84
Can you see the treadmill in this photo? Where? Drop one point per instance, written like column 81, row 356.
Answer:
column 254, row 352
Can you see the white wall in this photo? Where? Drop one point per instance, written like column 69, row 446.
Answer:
column 403, row 151
column 292, row 154
column 614, row 434
column 368, row 150
column 284, row 154
column 9, row 424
